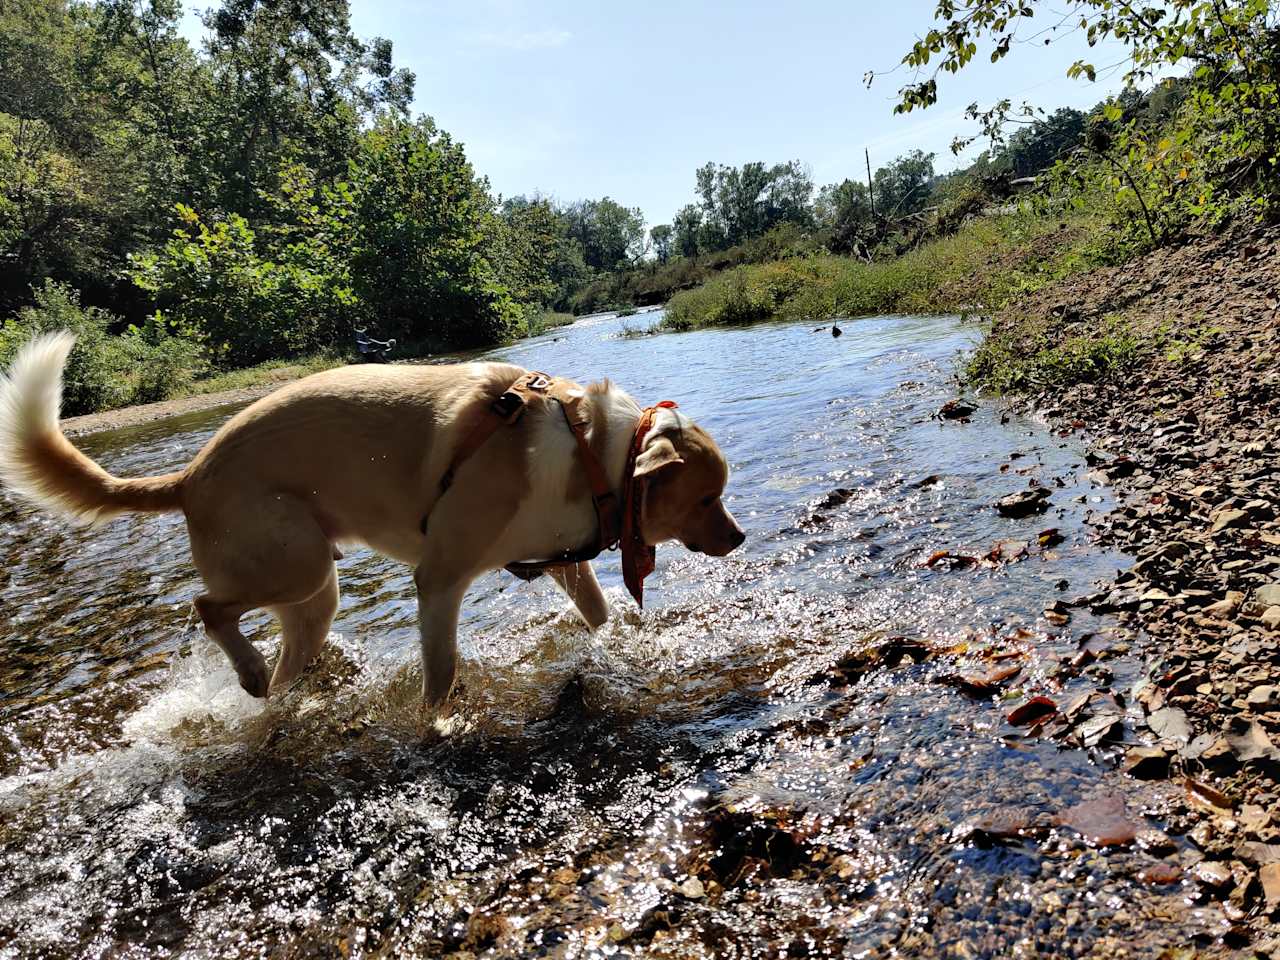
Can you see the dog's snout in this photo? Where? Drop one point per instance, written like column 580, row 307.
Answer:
column 737, row 538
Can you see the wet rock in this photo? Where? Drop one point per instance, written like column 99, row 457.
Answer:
column 1103, row 821
column 1155, row 841
column 1264, row 698
column 835, row 498
column 957, row 409
column 1160, row 874
column 1024, row 503
column 1146, row 763
column 692, row 889
column 1212, row 873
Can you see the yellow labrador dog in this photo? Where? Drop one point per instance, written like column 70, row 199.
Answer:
column 369, row 455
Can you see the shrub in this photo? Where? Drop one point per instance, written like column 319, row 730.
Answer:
column 244, row 306
column 104, row 370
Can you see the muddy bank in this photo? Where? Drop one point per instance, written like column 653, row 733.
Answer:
column 148, row 412
column 1188, row 436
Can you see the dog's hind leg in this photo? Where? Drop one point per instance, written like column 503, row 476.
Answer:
column 268, row 553
column 580, row 585
column 304, row 627
column 222, row 624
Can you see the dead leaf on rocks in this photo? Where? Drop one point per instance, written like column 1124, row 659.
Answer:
column 1035, row 709
column 1049, row 538
column 980, row 684
column 953, row 561
column 1205, row 797
column 1170, row 723
column 1103, row 821
column 1097, row 729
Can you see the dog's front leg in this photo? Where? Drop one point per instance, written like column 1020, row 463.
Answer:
column 438, row 605
column 580, row 585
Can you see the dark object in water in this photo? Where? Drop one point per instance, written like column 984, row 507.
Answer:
column 375, row 351
column 1024, row 503
column 957, row 409
column 835, row 331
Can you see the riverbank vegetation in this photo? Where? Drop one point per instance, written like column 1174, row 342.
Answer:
column 196, row 211
column 1067, row 192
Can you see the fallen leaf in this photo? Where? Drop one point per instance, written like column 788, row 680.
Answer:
column 1037, row 708
column 1050, row 538
column 1207, row 798
column 1170, row 723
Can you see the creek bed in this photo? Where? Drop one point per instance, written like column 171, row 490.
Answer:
column 776, row 758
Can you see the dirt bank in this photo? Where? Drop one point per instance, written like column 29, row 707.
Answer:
column 147, row 412
column 1187, row 434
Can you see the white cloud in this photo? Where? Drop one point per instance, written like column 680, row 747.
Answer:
column 528, row 40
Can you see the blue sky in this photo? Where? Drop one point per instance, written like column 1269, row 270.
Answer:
column 575, row 99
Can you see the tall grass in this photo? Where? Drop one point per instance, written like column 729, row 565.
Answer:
column 962, row 272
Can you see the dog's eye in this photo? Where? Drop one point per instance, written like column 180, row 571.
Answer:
column 708, row 500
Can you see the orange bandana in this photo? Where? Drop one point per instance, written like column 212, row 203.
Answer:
column 638, row 557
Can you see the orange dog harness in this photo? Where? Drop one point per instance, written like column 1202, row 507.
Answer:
column 617, row 523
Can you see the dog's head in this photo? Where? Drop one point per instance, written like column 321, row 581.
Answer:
column 685, row 474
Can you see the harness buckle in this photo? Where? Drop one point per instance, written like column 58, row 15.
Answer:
column 509, row 406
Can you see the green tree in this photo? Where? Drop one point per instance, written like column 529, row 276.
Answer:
column 425, row 238
column 611, row 235
column 843, row 211
column 538, row 260
column 741, row 203
column 663, row 239
column 687, row 231
column 1226, row 142
column 903, row 186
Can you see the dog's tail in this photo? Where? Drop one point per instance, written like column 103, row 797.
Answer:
column 39, row 464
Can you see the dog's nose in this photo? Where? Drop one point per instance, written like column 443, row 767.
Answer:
column 737, row 538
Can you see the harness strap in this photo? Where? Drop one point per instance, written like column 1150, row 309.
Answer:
column 608, row 510
column 507, row 410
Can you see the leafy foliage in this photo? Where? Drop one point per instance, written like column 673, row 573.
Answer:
column 143, row 364
column 1222, row 144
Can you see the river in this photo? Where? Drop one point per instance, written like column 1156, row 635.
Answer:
column 767, row 762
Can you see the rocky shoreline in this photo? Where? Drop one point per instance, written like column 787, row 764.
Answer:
column 1188, row 439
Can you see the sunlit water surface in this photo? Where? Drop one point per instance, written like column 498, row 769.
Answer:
column 686, row 782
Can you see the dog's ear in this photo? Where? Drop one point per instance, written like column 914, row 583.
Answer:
column 659, row 453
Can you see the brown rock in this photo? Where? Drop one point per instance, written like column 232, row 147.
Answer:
column 1227, row 606
column 1146, row 763
column 1269, row 877
column 1103, row 821
column 1223, row 519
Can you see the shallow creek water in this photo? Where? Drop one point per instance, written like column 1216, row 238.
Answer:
column 697, row 780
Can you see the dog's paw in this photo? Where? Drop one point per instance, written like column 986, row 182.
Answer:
column 255, row 678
